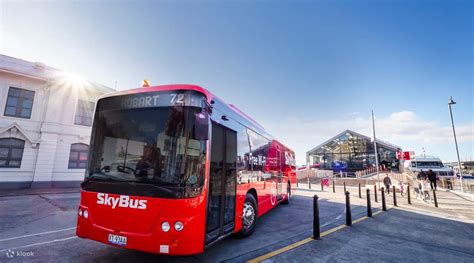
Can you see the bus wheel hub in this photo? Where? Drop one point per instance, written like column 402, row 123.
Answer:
column 249, row 215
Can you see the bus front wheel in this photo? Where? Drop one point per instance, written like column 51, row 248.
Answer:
column 249, row 216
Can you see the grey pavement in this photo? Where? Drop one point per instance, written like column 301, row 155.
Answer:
column 38, row 191
column 44, row 225
column 394, row 236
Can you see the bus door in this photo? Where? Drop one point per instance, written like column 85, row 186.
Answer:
column 222, row 183
column 279, row 174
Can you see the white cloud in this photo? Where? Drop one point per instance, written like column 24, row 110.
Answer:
column 404, row 128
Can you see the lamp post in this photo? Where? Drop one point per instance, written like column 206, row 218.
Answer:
column 452, row 102
column 375, row 150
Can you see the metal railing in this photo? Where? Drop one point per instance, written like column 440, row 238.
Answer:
column 443, row 182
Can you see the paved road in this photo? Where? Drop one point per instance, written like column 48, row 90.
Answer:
column 398, row 235
column 42, row 228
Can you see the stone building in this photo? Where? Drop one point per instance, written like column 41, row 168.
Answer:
column 45, row 124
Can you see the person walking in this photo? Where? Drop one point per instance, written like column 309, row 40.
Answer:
column 387, row 182
column 421, row 175
column 425, row 190
column 402, row 188
column 432, row 178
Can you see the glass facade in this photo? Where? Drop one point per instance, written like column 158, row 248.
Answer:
column 351, row 152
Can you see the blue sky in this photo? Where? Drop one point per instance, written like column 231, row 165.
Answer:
column 306, row 70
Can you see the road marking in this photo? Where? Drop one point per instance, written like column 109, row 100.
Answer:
column 304, row 241
column 37, row 234
column 332, row 230
column 40, row 243
column 281, row 250
column 360, row 219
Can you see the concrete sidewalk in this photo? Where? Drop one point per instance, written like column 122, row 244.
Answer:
column 451, row 205
column 397, row 235
column 39, row 191
column 419, row 232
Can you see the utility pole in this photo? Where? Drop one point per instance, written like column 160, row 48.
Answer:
column 452, row 102
column 375, row 149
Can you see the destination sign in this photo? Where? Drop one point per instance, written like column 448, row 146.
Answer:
column 153, row 99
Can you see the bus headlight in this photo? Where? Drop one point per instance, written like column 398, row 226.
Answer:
column 178, row 226
column 85, row 214
column 79, row 212
column 165, row 226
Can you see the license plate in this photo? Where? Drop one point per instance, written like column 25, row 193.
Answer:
column 117, row 240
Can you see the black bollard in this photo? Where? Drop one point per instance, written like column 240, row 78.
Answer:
column 297, row 181
column 375, row 193
column 333, row 186
column 348, row 210
column 316, row 227
column 345, row 187
column 309, row 183
column 322, row 186
column 382, row 192
column 408, row 194
column 360, row 193
column 369, row 207
column 435, row 199
column 394, row 197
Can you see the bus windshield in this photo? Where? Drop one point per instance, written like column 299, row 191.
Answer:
column 147, row 152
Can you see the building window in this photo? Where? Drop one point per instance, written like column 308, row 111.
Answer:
column 78, row 156
column 11, row 152
column 19, row 103
column 84, row 113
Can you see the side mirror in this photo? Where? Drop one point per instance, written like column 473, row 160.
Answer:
column 201, row 126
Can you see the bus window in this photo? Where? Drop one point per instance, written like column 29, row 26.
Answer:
column 155, row 147
column 259, row 150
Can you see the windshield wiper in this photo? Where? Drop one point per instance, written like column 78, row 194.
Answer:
column 168, row 189
column 101, row 177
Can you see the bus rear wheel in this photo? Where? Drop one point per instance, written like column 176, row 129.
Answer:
column 249, row 216
column 288, row 195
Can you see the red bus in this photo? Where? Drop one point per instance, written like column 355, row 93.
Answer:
column 173, row 169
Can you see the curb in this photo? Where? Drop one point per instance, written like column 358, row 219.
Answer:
column 39, row 193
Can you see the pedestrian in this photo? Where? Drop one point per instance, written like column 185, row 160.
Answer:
column 432, row 178
column 421, row 175
column 419, row 188
column 425, row 189
column 449, row 183
column 402, row 188
column 387, row 182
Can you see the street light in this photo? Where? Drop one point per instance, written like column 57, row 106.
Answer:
column 452, row 102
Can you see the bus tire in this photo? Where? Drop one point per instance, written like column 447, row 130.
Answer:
column 288, row 195
column 249, row 216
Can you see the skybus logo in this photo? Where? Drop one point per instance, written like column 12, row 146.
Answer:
column 122, row 201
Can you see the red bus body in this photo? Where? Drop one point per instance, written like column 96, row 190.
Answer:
column 140, row 218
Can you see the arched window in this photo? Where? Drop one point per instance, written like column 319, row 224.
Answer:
column 11, row 152
column 78, row 156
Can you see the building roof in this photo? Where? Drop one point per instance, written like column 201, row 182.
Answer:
column 379, row 142
column 40, row 71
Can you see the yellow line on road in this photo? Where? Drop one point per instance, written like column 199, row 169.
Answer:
column 304, row 241
column 360, row 219
column 332, row 230
column 281, row 250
